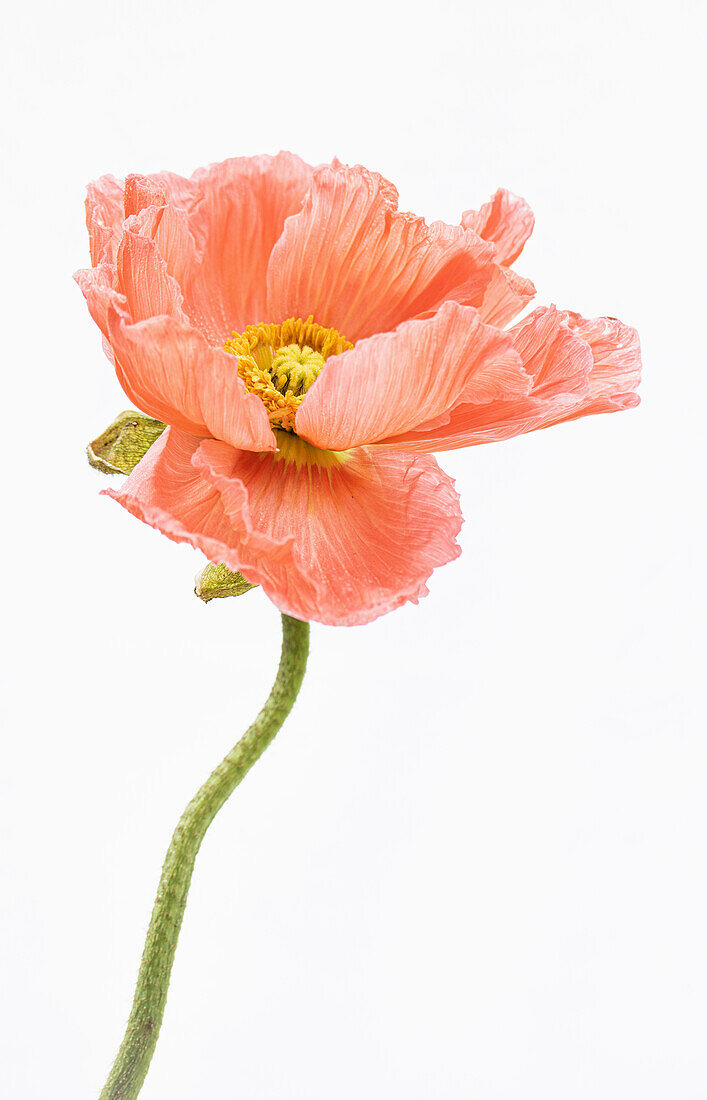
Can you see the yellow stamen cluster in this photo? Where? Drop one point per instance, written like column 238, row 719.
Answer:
column 280, row 362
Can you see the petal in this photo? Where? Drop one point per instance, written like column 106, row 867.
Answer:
column 158, row 189
column 104, row 215
column 168, row 492
column 358, row 265
column 507, row 220
column 238, row 215
column 170, row 372
column 506, row 295
column 97, row 287
column 389, row 383
column 578, row 368
column 468, row 425
column 152, row 212
column 182, row 193
column 341, row 545
column 616, row 354
column 142, row 277
column 616, row 368
column 367, row 533
column 169, row 228
column 141, row 191
column 558, row 359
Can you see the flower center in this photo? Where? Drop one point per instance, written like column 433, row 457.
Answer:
column 295, row 368
column 280, row 362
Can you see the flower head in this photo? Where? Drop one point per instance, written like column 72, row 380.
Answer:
column 309, row 346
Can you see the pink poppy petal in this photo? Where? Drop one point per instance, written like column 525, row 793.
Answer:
column 578, row 368
column 142, row 277
column 237, row 216
column 616, row 354
column 368, row 532
column 505, row 296
column 358, row 265
column 167, row 491
column 140, row 192
column 97, row 287
column 170, row 372
column 470, row 424
column 182, row 193
column 506, row 220
column 389, row 383
column 558, row 359
column 104, row 215
column 341, row 546
column 151, row 212
column 168, row 226
column 616, row 368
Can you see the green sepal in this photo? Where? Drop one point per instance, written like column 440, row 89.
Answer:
column 124, row 442
column 216, row 582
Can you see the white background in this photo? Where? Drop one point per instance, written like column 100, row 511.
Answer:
column 473, row 863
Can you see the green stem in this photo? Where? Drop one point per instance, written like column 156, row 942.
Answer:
column 133, row 1060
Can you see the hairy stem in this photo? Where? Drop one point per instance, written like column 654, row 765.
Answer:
column 133, row 1060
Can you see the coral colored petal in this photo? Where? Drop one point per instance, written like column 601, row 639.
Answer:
column 104, row 215
column 140, row 192
column 341, row 546
column 578, row 367
column 506, row 220
column 152, row 212
column 237, row 216
column 168, row 492
column 506, row 295
column 389, row 383
column 616, row 354
column 368, row 533
column 558, row 362
column 182, row 193
column 169, row 228
column 616, row 368
column 558, row 359
column 592, row 406
column 169, row 371
column 142, row 277
column 109, row 202
column 358, row 265
column 469, row 424
column 97, row 287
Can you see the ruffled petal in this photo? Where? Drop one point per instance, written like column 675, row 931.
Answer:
column 168, row 492
column 140, row 192
column 558, row 360
column 182, row 193
column 157, row 209
column 143, row 278
column 98, row 288
column 104, row 215
column 170, row 372
column 389, row 383
column 506, row 220
column 469, row 424
column 368, row 532
column 341, row 545
column 109, row 201
column 577, row 367
column 237, row 216
column 214, row 231
column 358, row 265
column 616, row 354
column 616, row 368
column 505, row 296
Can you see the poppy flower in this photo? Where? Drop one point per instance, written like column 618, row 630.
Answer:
column 309, row 347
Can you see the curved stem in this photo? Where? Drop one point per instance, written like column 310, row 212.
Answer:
column 133, row 1060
